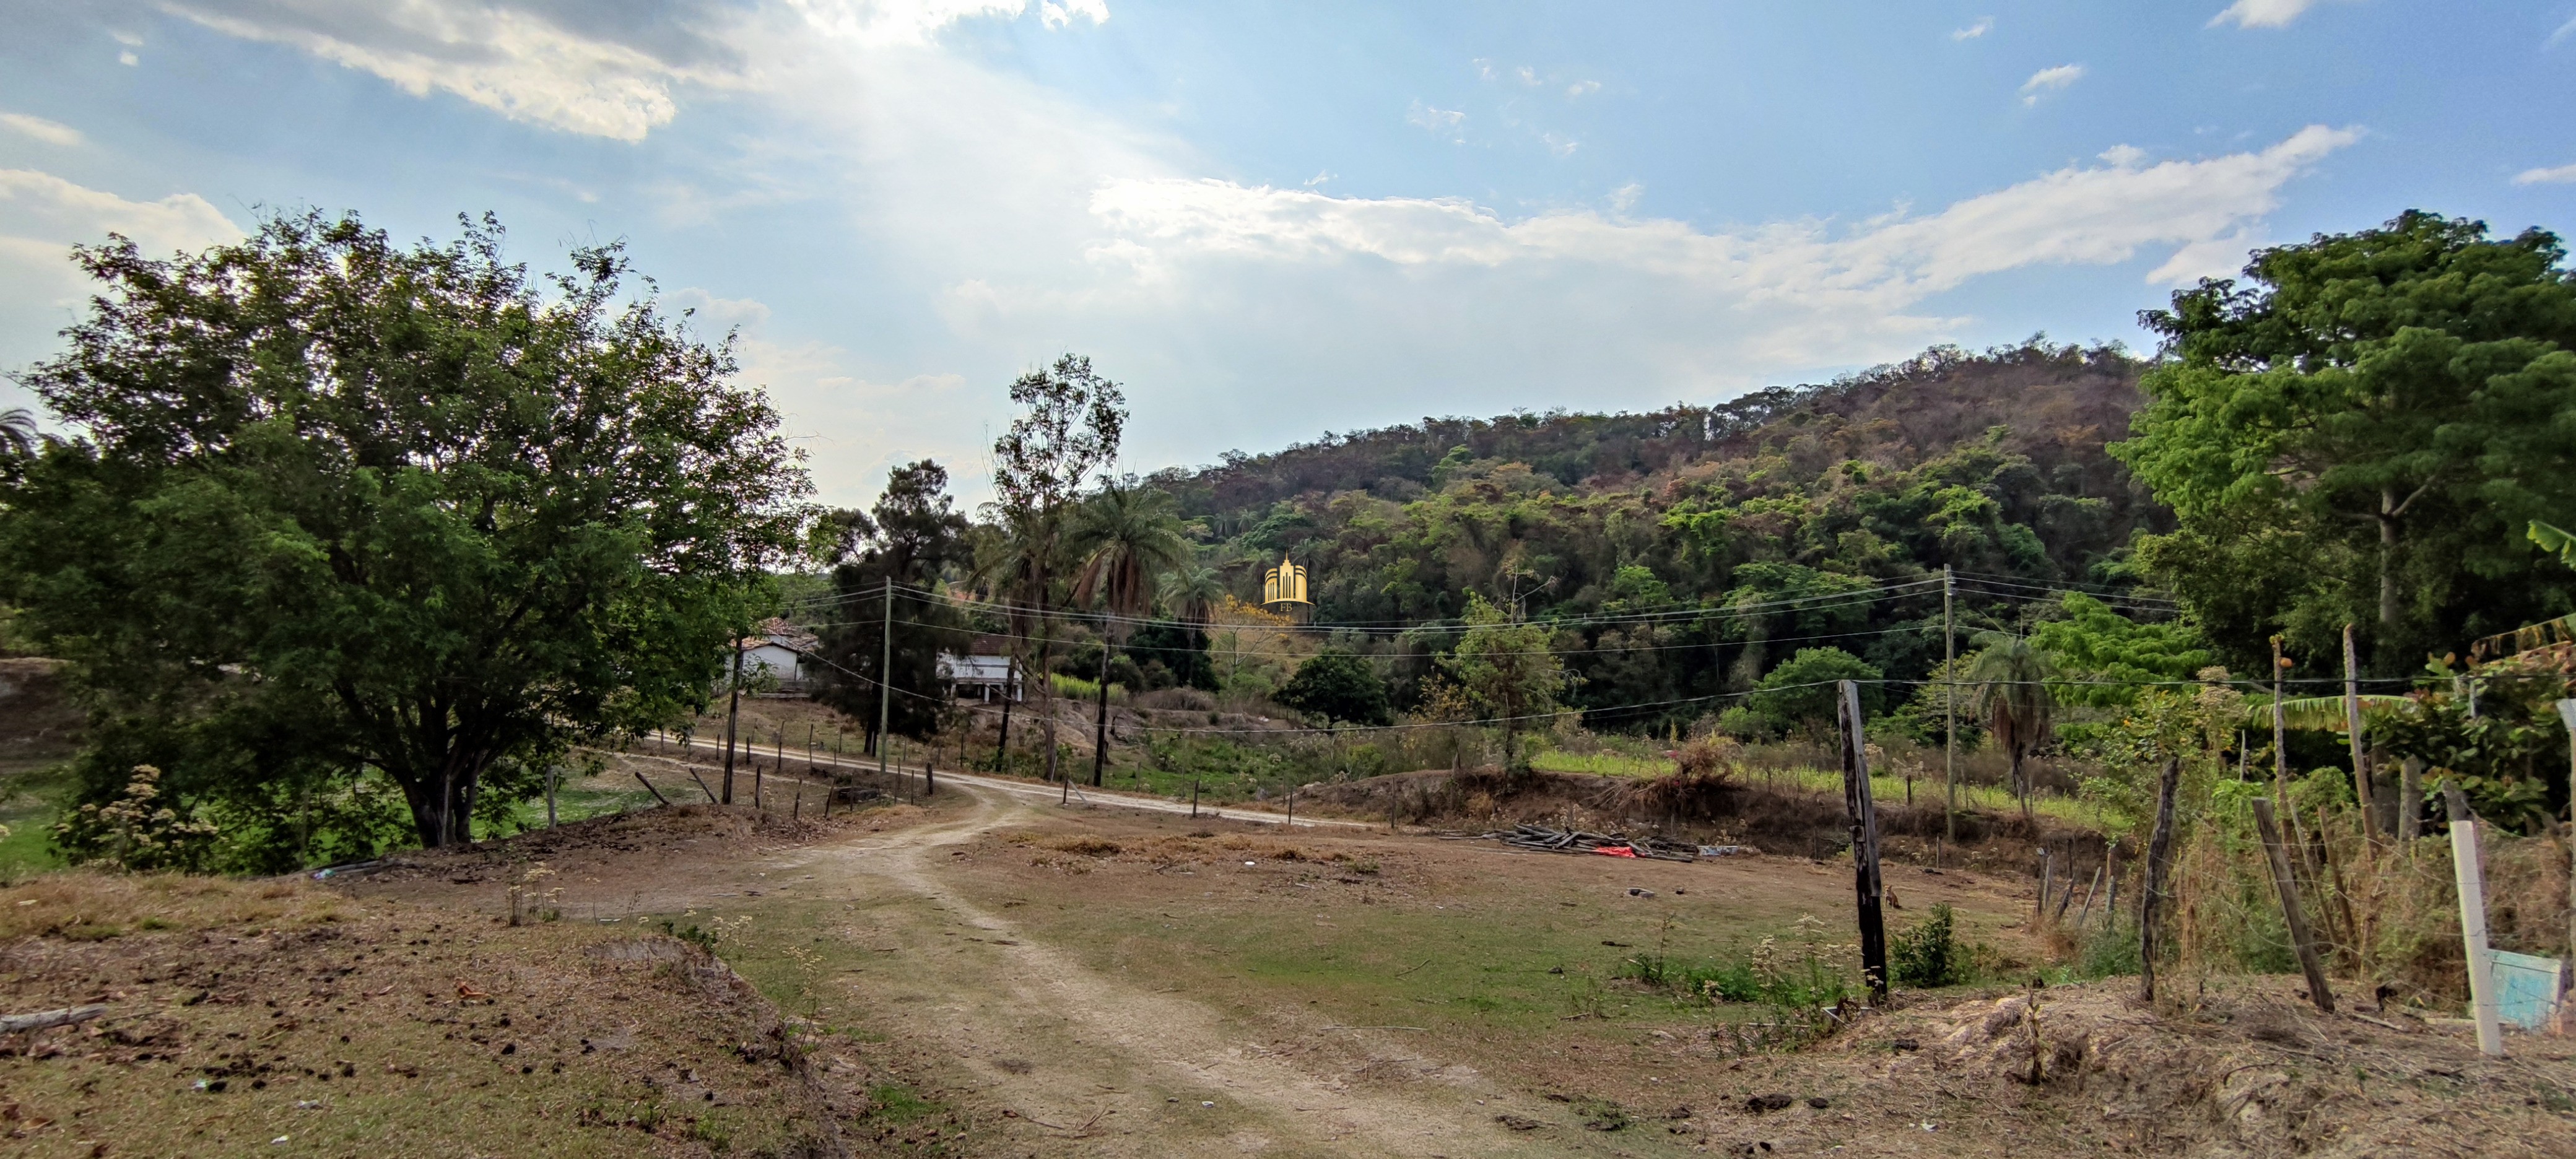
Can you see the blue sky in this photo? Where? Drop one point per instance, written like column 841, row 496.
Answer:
column 1276, row 219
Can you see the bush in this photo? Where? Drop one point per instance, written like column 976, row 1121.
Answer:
column 1927, row 955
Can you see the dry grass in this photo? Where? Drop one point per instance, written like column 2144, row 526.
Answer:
column 83, row 905
column 284, row 1018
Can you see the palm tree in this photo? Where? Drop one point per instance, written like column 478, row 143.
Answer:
column 1127, row 537
column 2012, row 693
column 18, row 437
column 1192, row 594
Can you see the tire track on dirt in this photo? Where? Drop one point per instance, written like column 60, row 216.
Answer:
column 1159, row 1038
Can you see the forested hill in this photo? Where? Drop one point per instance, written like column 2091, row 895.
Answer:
column 1991, row 462
column 2060, row 402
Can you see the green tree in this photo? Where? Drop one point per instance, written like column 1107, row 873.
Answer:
column 1070, row 422
column 335, row 508
column 2361, row 433
column 2012, row 677
column 910, row 536
column 1799, row 695
column 2094, row 642
column 1128, row 539
column 1337, row 687
column 1510, row 670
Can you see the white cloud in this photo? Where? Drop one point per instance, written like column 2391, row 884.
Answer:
column 595, row 71
column 1582, row 87
column 2124, row 156
column 1984, row 25
column 2564, row 31
column 42, row 216
column 2262, row 13
column 1484, row 68
column 1559, row 144
column 45, row 208
column 128, row 59
column 516, row 63
column 2049, row 80
column 1445, row 122
column 1787, row 291
column 49, row 132
column 1527, row 75
column 1055, row 15
column 2561, row 175
column 1624, row 198
column 1321, row 176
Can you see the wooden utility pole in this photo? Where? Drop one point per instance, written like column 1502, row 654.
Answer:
column 2473, row 919
column 2159, row 863
column 1949, row 713
column 1864, row 833
column 2302, row 940
column 733, row 713
column 2360, row 754
column 885, row 676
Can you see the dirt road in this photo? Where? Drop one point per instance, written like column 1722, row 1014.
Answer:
column 1085, row 1063
column 1073, row 794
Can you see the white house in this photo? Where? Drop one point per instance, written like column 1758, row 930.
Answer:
column 985, row 673
column 782, row 654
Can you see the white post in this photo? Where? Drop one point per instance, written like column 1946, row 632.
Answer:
column 2567, row 716
column 2473, row 921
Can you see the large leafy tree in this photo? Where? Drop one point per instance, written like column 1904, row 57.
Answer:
column 2361, row 431
column 334, row 507
column 1337, row 687
column 1128, row 539
column 911, row 536
column 1510, row 671
column 1070, row 423
column 1801, row 694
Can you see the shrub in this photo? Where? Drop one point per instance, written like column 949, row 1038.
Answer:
column 1928, row 954
column 135, row 831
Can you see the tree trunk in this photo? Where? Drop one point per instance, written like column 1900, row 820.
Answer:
column 442, row 804
column 1100, row 730
column 2388, row 522
column 2020, row 779
column 1002, row 746
column 1046, row 680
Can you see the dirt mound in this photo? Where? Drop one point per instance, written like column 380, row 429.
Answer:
column 2249, row 1069
column 620, row 833
column 245, row 1013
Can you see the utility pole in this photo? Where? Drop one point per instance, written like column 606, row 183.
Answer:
column 1949, row 711
column 885, row 675
column 733, row 713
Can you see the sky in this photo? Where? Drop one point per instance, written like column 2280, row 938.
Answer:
column 1275, row 220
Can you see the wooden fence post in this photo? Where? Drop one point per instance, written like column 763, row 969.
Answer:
column 1864, row 832
column 2302, row 940
column 2363, row 791
column 2159, row 863
column 2473, row 920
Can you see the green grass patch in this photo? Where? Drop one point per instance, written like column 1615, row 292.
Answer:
column 30, row 803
